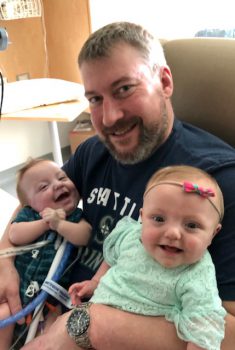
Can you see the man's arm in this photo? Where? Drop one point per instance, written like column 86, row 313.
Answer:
column 115, row 329
column 229, row 340
column 9, row 286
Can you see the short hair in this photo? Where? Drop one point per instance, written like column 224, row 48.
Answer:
column 100, row 43
column 30, row 163
column 186, row 172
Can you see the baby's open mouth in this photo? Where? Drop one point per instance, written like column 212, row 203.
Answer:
column 62, row 196
column 171, row 249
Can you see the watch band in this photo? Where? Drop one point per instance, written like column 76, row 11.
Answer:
column 80, row 334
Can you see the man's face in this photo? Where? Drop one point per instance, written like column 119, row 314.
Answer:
column 128, row 103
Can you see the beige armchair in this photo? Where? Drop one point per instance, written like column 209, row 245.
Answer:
column 204, row 83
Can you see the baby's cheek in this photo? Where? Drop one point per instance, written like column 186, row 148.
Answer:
column 195, row 248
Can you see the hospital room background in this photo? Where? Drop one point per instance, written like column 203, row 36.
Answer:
column 47, row 47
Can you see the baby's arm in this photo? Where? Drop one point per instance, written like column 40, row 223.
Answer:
column 83, row 289
column 76, row 233
column 202, row 317
column 21, row 233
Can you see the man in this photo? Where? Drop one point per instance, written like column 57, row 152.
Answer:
column 129, row 86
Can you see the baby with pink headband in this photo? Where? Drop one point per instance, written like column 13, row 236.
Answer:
column 161, row 266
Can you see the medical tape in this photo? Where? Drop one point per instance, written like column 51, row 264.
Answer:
column 58, row 292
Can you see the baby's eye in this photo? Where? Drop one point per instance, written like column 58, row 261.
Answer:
column 192, row 225
column 158, row 218
column 43, row 187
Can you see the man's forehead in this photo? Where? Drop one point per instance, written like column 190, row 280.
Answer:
column 109, row 73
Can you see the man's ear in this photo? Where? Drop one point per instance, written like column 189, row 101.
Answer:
column 141, row 213
column 167, row 81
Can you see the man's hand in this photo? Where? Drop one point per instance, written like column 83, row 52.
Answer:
column 9, row 287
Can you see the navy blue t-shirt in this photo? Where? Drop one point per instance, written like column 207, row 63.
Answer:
column 111, row 190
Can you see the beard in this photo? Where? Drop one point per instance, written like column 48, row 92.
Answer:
column 150, row 138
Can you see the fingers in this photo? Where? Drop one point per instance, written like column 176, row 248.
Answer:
column 75, row 299
column 73, row 292
column 82, row 289
column 73, row 287
column 61, row 213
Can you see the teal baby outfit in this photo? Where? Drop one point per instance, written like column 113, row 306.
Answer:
column 36, row 268
column 186, row 295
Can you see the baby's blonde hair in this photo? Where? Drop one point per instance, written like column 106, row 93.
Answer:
column 30, row 163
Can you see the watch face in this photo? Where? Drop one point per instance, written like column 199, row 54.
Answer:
column 78, row 322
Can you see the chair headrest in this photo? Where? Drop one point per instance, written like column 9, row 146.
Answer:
column 203, row 72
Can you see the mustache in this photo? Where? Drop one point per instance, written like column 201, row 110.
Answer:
column 122, row 124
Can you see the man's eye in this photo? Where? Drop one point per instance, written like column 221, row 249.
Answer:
column 125, row 88
column 94, row 100
column 158, row 218
column 125, row 91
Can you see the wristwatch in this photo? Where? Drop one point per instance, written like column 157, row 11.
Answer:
column 77, row 325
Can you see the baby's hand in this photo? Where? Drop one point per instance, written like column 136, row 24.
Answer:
column 53, row 217
column 61, row 213
column 80, row 290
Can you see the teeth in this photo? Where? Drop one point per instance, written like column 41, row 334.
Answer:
column 122, row 132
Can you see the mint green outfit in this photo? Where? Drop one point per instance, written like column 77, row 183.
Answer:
column 186, row 295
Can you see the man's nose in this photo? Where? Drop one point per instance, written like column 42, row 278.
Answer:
column 112, row 112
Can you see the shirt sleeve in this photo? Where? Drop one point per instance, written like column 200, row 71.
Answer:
column 199, row 316
column 222, row 248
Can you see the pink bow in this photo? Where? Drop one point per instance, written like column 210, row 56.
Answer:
column 193, row 188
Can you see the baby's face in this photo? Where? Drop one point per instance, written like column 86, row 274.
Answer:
column 177, row 227
column 46, row 185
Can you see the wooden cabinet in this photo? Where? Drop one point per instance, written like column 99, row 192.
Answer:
column 47, row 46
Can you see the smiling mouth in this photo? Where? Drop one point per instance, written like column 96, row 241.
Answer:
column 123, row 131
column 62, row 196
column 171, row 249
column 121, row 127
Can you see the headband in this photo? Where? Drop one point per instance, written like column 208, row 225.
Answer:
column 189, row 187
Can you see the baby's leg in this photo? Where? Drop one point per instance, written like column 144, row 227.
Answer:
column 6, row 334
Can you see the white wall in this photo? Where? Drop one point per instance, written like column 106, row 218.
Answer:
column 22, row 139
column 166, row 19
